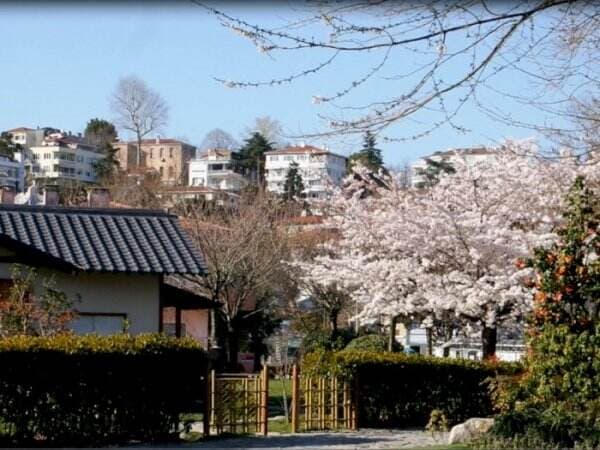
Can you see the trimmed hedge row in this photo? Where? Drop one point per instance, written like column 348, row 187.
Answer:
column 96, row 390
column 398, row 390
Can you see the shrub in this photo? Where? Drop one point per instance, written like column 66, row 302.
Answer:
column 557, row 401
column 326, row 340
column 91, row 390
column 372, row 343
column 398, row 390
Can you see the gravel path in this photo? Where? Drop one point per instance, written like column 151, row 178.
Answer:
column 367, row 439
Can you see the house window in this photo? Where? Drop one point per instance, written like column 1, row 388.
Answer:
column 151, row 152
column 100, row 323
column 274, row 158
column 171, row 172
column 161, row 152
column 170, row 152
column 162, row 170
column 288, row 158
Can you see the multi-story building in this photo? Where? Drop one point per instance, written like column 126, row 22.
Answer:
column 217, row 169
column 470, row 156
column 168, row 157
column 30, row 137
column 318, row 168
column 62, row 157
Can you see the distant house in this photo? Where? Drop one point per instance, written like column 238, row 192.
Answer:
column 470, row 156
column 63, row 157
column 318, row 168
column 217, row 169
column 169, row 158
column 114, row 263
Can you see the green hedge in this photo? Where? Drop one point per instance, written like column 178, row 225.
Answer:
column 398, row 390
column 93, row 390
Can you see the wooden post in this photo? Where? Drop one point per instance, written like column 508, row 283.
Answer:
column 177, row 321
column 207, row 400
column 265, row 400
column 213, row 403
column 308, row 409
column 354, row 397
column 295, row 398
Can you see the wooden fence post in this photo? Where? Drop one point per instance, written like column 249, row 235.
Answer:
column 295, row 398
column 354, row 396
column 265, row 400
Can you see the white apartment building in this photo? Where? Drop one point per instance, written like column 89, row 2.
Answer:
column 63, row 157
column 471, row 156
column 216, row 169
column 318, row 168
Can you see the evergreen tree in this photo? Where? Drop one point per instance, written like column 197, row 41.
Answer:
column 431, row 173
column 7, row 148
column 252, row 155
column 293, row 187
column 102, row 134
column 369, row 155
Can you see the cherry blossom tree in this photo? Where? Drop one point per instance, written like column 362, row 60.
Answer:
column 447, row 253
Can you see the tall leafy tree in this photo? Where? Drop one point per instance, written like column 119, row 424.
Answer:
column 369, row 155
column 102, row 133
column 293, row 186
column 252, row 155
column 7, row 147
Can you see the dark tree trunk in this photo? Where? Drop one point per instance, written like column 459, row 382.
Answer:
column 429, row 332
column 489, row 337
column 392, row 335
column 333, row 322
column 232, row 350
column 448, row 337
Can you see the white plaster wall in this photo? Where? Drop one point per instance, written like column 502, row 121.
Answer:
column 137, row 296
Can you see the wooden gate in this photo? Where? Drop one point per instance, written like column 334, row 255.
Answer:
column 322, row 403
column 238, row 403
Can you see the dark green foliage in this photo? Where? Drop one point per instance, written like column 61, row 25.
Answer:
column 369, row 155
column 372, row 343
column 321, row 339
column 102, row 134
column 92, row 390
column 433, row 170
column 557, row 401
column 397, row 390
column 252, row 156
column 7, row 148
column 293, row 187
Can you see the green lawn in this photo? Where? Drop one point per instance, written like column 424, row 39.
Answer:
column 276, row 392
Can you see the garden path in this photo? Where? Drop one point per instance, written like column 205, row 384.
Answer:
column 367, row 439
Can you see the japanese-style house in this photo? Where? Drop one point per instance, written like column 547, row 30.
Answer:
column 112, row 263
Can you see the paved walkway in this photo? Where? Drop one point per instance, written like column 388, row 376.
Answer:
column 367, row 439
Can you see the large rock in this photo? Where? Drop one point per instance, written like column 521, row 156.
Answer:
column 470, row 430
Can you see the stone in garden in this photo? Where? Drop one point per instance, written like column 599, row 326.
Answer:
column 470, row 430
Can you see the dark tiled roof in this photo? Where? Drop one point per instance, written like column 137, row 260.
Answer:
column 102, row 240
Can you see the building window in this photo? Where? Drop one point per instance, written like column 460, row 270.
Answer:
column 170, row 152
column 151, row 152
column 288, row 158
column 162, row 170
column 274, row 158
column 171, row 172
column 161, row 152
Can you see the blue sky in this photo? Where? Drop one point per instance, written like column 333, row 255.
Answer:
column 60, row 63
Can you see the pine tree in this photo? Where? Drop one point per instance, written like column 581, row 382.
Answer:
column 252, row 156
column 369, row 155
column 293, row 187
column 102, row 133
column 431, row 173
